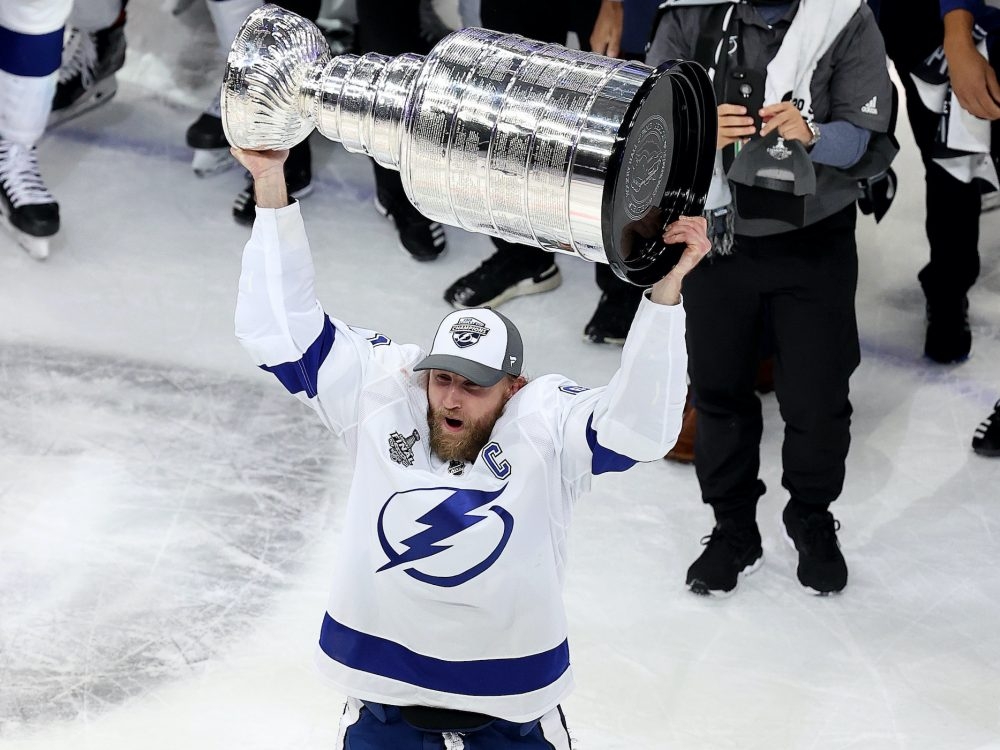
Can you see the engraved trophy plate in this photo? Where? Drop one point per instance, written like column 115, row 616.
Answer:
column 535, row 143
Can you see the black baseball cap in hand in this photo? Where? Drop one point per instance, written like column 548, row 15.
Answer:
column 771, row 177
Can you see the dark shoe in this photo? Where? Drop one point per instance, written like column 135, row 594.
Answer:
column 421, row 238
column 822, row 569
column 611, row 320
column 683, row 450
column 731, row 550
column 499, row 278
column 298, row 179
column 986, row 441
column 949, row 338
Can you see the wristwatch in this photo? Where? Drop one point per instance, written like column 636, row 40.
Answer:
column 814, row 129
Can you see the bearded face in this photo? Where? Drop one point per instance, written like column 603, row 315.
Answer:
column 455, row 439
column 461, row 414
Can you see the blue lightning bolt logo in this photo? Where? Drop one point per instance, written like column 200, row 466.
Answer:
column 446, row 519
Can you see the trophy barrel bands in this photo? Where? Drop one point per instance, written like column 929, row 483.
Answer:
column 512, row 137
column 273, row 55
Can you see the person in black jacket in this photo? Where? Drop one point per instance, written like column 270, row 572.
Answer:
column 804, row 94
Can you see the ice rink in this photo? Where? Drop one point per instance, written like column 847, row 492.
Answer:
column 168, row 513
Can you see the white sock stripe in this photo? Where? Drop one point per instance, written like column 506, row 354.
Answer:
column 350, row 717
column 554, row 730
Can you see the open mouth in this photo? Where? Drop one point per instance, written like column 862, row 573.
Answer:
column 453, row 424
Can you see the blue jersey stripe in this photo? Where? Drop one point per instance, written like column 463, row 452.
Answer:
column 604, row 459
column 302, row 374
column 482, row 677
column 30, row 55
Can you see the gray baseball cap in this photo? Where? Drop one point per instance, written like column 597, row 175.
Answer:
column 771, row 177
column 479, row 344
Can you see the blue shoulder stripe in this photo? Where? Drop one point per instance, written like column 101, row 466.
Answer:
column 302, row 374
column 605, row 459
column 30, row 55
column 380, row 656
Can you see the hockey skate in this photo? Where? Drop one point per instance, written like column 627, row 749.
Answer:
column 87, row 76
column 27, row 208
column 206, row 137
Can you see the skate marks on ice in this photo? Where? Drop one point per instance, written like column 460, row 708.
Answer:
column 150, row 515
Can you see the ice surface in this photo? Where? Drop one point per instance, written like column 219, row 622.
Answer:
column 167, row 512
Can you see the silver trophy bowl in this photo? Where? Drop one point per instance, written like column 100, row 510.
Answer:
column 534, row 143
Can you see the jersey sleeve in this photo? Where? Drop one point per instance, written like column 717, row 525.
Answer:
column 637, row 416
column 286, row 332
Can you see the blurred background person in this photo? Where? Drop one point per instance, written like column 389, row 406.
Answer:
column 205, row 135
column 395, row 27
column 945, row 54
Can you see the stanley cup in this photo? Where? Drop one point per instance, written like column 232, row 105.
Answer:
column 534, row 143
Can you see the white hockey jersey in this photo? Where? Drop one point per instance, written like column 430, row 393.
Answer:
column 449, row 576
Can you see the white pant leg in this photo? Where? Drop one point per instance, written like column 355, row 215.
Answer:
column 25, row 101
column 94, row 15
column 34, row 16
column 228, row 16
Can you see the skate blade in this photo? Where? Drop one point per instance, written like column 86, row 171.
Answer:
column 209, row 161
column 36, row 247
column 102, row 92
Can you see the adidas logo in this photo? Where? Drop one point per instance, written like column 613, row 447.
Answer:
column 871, row 108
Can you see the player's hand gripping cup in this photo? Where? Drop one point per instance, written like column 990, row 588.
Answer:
column 534, row 143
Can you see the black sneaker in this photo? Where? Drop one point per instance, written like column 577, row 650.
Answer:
column 611, row 320
column 986, row 441
column 949, row 338
column 298, row 178
column 499, row 278
column 731, row 550
column 822, row 569
column 421, row 238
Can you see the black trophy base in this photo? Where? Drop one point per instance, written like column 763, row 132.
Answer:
column 660, row 169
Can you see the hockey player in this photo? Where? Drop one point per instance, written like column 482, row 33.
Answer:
column 446, row 624
column 31, row 37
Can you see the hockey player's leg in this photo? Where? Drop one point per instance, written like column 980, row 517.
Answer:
column 205, row 135
column 28, row 209
column 93, row 51
column 29, row 61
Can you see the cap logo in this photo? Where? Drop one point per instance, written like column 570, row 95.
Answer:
column 467, row 332
column 779, row 150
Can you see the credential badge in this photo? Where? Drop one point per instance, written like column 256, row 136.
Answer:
column 401, row 448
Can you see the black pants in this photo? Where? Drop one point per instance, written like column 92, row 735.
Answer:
column 802, row 283
column 912, row 31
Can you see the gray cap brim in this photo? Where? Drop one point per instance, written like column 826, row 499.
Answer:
column 478, row 373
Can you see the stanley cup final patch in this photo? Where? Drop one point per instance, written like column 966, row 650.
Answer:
column 401, row 448
column 468, row 331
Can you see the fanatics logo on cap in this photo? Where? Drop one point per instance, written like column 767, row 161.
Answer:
column 871, row 108
column 468, row 331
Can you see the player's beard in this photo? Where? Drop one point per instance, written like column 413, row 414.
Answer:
column 466, row 445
